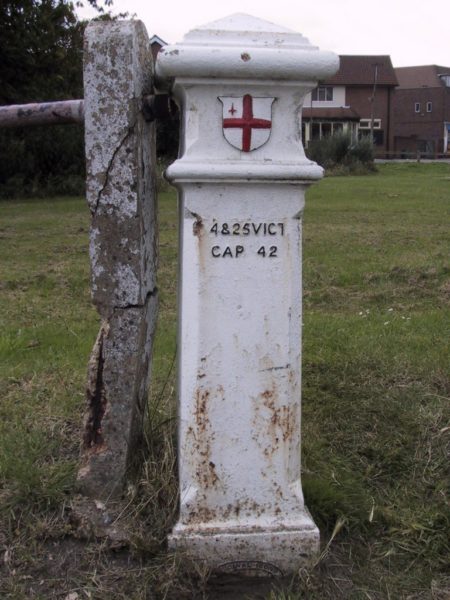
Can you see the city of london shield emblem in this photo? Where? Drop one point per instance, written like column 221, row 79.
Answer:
column 247, row 121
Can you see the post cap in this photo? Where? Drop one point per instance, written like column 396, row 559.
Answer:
column 242, row 46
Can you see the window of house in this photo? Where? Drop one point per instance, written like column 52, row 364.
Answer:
column 378, row 136
column 429, row 106
column 326, row 130
column 445, row 79
column 315, row 131
column 366, row 123
column 321, row 129
column 323, row 93
column 417, row 107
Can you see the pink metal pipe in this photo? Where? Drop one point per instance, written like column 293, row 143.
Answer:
column 45, row 113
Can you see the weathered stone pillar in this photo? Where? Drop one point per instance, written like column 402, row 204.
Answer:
column 121, row 195
column 242, row 177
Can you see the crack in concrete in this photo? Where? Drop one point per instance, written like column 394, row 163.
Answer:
column 110, row 166
column 148, row 295
column 111, row 309
column 96, row 393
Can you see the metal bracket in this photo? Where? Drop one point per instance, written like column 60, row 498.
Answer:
column 158, row 107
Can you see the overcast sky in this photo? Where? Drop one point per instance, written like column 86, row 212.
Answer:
column 412, row 32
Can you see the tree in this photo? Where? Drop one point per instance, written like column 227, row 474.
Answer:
column 41, row 55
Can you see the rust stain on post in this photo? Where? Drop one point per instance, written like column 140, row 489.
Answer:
column 198, row 225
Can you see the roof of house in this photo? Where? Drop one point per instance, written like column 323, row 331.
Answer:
column 157, row 40
column 360, row 70
column 345, row 113
column 423, row 76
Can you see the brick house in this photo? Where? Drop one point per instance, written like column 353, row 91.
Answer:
column 421, row 110
column 358, row 99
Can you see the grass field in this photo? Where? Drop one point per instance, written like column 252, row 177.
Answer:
column 376, row 410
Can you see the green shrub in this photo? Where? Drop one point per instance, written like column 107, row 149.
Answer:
column 362, row 151
column 340, row 155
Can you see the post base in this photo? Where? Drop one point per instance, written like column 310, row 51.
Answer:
column 269, row 552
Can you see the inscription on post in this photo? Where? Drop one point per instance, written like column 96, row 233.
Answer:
column 224, row 231
column 251, row 567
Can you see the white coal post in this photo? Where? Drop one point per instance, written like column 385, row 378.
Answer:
column 242, row 176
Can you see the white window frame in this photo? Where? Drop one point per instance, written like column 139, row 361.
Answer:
column 429, row 107
column 366, row 123
column 324, row 89
column 417, row 107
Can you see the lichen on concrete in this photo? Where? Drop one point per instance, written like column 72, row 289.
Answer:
column 121, row 196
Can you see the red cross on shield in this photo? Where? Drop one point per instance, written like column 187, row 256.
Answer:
column 247, row 121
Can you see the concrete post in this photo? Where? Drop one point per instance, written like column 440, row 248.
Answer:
column 242, row 177
column 121, row 195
